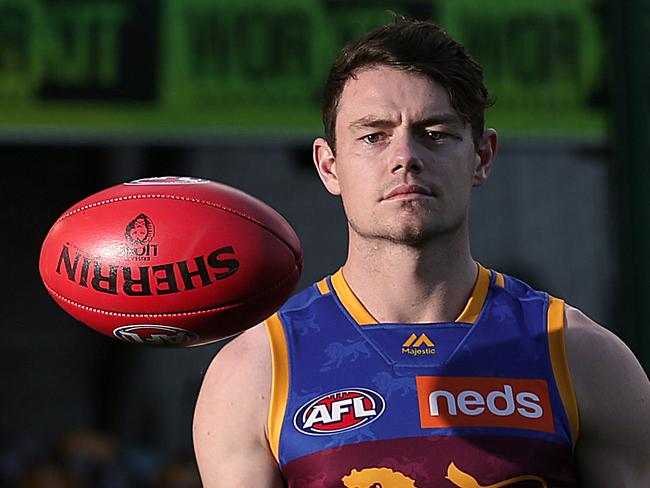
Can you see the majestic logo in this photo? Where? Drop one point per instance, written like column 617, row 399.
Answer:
column 168, row 180
column 160, row 335
column 339, row 411
column 418, row 346
column 447, row 401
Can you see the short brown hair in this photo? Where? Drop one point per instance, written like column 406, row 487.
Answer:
column 420, row 47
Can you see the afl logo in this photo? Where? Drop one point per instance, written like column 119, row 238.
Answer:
column 339, row 411
column 161, row 335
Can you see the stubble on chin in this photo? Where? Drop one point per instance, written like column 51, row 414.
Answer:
column 414, row 226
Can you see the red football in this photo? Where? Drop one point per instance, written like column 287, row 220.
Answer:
column 170, row 261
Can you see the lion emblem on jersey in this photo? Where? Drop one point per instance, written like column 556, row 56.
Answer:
column 387, row 384
column 387, row 478
column 377, row 478
column 338, row 353
column 465, row 480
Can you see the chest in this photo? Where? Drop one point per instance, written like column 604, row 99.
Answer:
column 433, row 403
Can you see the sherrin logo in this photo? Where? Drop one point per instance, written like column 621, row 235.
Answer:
column 516, row 403
column 138, row 234
column 339, row 411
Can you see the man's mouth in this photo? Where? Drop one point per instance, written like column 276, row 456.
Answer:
column 408, row 191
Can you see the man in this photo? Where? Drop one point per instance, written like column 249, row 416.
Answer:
column 413, row 365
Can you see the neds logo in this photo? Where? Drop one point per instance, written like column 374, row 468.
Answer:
column 339, row 411
column 484, row 402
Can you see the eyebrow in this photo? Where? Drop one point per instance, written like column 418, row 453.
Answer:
column 441, row 118
column 373, row 121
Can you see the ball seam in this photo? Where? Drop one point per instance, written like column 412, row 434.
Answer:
column 137, row 315
column 181, row 198
column 163, row 196
column 170, row 314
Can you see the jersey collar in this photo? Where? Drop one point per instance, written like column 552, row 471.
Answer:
column 361, row 315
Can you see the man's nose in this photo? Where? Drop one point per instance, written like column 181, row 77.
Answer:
column 405, row 154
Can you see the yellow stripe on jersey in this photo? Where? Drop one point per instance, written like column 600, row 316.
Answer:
column 363, row 317
column 477, row 298
column 500, row 280
column 280, row 382
column 350, row 301
column 555, row 327
column 323, row 287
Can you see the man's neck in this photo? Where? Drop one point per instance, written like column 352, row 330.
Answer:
column 399, row 283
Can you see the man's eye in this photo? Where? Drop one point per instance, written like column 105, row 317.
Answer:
column 373, row 138
column 436, row 136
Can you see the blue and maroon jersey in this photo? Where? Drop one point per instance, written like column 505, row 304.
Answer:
column 484, row 401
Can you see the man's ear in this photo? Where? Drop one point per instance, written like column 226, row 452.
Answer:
column 325, row 162
column 485, row 154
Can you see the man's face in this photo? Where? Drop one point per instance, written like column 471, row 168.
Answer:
column 405, row 161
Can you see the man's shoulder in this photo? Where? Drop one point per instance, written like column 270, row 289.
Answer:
column 230, row 416
column 604, row 371
column 249, row 354
column 517, row 286
column 245, row 361
column 588, row 341
column 251, row 344
column 303, row 298
column 613, row 395
column 595, row 353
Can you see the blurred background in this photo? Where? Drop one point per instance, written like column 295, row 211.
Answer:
column 97, row 92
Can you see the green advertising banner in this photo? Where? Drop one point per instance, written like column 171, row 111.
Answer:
column 188, row 65
column 543, row 60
